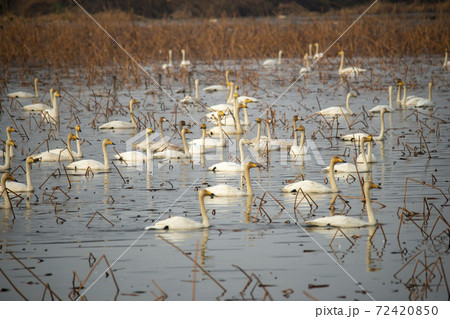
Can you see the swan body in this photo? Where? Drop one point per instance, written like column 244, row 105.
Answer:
column 274, row 62
column 183, row 223
column 218, row 87
column 19, row 188
column 415, row 101
column 169, row 153
column 122, row 125
column 184, row 63
column 336, row 110
column 168, row 66
column 39, row 107
column 346, row 221
column 224, row 190
column 350, row 71
column 308, row 186
column 389, row 108
column 57, row 154
column 231, row 166
column 131, row 157
column 6, row 177
column 7, row 165
column 65, row 153
column 25, row 95
column 93, row 164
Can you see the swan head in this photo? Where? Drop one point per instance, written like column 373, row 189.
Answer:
column 349, row 95
column 134, row 101
column 107, row 141
column 203, row 126
column 71, row 137
column 370, row 185
column 6, row 177
column 251, row 165
column 258, row 120
column 268, row 121
column 242, row 141
column 185, row 131
column 301, row 128
column 220, row 114
column 204, row 193
column 383, row 110
column 10, row 129
column 243, row 105
column 149, row 131
column 11, row 143
column 56, row 94
column 341, row 52
column 316, row 44
column 36, row 80
column 162, row 119
column 78, row 128
column 295, row 118
column 337, row 159
column 31, row 160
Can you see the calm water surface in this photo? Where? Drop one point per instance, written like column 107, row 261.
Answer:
column 51, row 238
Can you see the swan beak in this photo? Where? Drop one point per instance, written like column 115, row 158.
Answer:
column 12, row 178
column 149, row 131
column 187, row 131
column 375, row 186
column 34, row 160
column 57, row 94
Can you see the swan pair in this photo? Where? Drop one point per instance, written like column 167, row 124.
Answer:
column 173, row 154
column 65, row 154
column 218, row 87
column 231, row 166
column 265, row 143
column 9, row 130
column 388, row 108
column 122, row 125
column 183, row 223
column 17, row 187
column 136, row 157
column 237, row 129
column 415, row 101
column 298, row 149
column 93, row 164
column 47, row 110
column 351, row 168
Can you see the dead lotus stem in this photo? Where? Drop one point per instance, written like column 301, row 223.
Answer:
column 340, row 230
column 198, row 265
column 379, row 226
column 12, row 285
column 112, row 224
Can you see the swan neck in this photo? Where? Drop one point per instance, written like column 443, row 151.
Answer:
column 381, row 136
column 7, row 157
column 295, row 132
column 28, row 174
column 182, row 56
column 5, row 195
column 404, row 96
column 236, row 116
column 170, row 57
column 302, row 140
column 341, row 66
column 363, row 153
column 429, row 90
column 35, row 89
column 105, row 156
column 390, row 96
column 79, row 152
column 202, row 148
column 133, row 121
column 203, row 211
column 279, row 57
column 248, row 181
column 347, row 104
column 196, row 89
column 370, row 214
column 222, row 135
column 269, row 135
column 185, row 146
column 161, row 132
column 226, row 76
column 258, row 137
column 369, row 150
column 241, row 151
column 334, row 187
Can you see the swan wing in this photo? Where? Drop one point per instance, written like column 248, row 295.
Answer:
column 176, row 223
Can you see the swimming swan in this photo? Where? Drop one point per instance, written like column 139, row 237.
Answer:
column 6, row 177
column 351, row 168
column 7, row 165
column 274, row 62
column 218, row 87
column 308, row 186
column 357, row 136
column 350, row 71
column 168, row 66
column 183, row 223
column 135, row 157
column 346, row 221
column 93, row 164
column 390, row 108
column 231, row 166
column 415, row 101
column 184, row 63
column 58, row 154
column 299, row 149
column 118, row 125
column 25, row 95
column 170, row 153
column 225, row 190
column 9, row 129
column 20, row 187
column 336, row 110
column 39, row 107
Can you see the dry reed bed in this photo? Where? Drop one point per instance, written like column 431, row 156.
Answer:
column 74, row 40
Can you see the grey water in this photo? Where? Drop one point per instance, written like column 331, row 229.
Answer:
column 51, row 237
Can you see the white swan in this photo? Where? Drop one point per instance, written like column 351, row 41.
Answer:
column 115, row 125
column 274, row 62
column 9, row 129
column 446, row 64
column 198, row 146
column 184, row 63
column 168, row 66
column 26, row 95
column 336, row 110
column 6, row 177
column 7, row 165
column 358, row 136
column 243, row 98
column 369, row 157
column 183, row 223
column 298, row 149
column 267, row 144
column 342, row 221
column 93, row 164
column 20, row 187
column 170, row 153
column 39, row 107
column 287, row 144
column 351, row 168
column 308, row 186
column 188, row 99
column 318, row 54
column 218, row 87
column 350, row 71
column 58, row 154
column 231, row 166
column 305, row 69
column 389, row 108
column 225, row 190
column 415, row 101
column 135, row 157
column 237, row 129
column 53, row 113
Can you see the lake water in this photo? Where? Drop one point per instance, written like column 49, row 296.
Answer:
column 49, row 235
